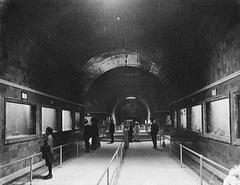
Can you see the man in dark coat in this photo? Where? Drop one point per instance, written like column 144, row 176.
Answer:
column 130, row 132
column 112, row 131
column 154, row 132
column 95, row 135
column 87, row 135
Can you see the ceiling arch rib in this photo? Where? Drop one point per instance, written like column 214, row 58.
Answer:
column 119, row 58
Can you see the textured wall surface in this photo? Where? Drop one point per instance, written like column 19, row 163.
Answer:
column 224, row 153
column 46, row 43
column 18, row 150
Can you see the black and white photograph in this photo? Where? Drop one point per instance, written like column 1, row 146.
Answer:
column 119, row 92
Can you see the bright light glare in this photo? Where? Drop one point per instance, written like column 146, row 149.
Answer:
column 131, row 98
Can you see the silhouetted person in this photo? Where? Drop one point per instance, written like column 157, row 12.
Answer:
column 136, row 132
column 47, row 151
column 87, row 135
column 112, row 130
column 154, row 132
column 95, row 135
column 130, row 132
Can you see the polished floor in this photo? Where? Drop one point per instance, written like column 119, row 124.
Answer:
column 142, row 165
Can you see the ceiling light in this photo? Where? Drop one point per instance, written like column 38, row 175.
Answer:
column 131, row 98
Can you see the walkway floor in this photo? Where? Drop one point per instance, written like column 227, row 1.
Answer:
column 85, row 170
column 144, row 165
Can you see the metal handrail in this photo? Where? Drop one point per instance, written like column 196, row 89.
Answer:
column 205, row 158
column 201, row 157
column 33, row 155
column 120, row 148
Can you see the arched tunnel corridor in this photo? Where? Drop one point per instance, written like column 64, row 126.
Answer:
column 65, row 62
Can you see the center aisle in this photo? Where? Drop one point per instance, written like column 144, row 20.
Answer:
column 144, row 165
column 85, row 170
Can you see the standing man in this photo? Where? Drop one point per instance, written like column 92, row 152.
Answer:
column 136, row 131
column 87, row 134
column 154, row 132
column 112, row 130
column 95, row 135
column 130, row 132
column 47, row 151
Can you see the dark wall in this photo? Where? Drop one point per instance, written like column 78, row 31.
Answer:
column 32, row 52
column 44, row 44
column 214, row 46
column 225, row 153
column 21, row 148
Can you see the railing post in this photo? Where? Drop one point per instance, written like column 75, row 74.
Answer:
column 121, row 153
column 118, row 161
column 201, row 170
column 160, row 139
column 170, row 147
column 77, row 147
column 31, row 169
column 61, row 157
column 118, row 158
column 108, row 182
column 181, row 155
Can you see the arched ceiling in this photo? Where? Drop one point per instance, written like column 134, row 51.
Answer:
column 96, row 66
column 70, row 43
column 118, row 83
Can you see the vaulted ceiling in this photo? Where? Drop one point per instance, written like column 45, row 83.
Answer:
column 76, row 41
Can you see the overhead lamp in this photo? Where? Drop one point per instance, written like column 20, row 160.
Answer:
column 131, row 98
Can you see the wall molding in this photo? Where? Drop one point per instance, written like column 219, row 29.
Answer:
column 5, row 82
column 224, row 79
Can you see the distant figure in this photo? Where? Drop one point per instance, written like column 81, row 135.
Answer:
column 87, row 135
column 130, row 132
column 47, row 152
column 112, row 130
column 154, row 132
column 136, row 132
column 95, row 135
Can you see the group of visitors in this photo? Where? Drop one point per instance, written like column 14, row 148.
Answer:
column 133, row 132
column 91, row 132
